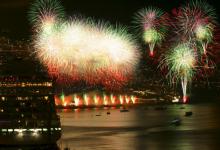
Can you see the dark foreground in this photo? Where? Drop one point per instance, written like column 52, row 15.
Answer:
column 142, row 128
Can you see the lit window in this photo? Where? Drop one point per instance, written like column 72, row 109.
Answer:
column 44, row 129
column 4, row 130
column 22, row 84
column 23, row 98
column 10, row 130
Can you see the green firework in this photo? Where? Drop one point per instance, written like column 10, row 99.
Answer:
column 180, row 62
column 45, row 8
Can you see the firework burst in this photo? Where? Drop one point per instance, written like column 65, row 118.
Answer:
column 153, row 24
column 45, row 12
column 82, row 49
column 180, row 61
column 196, row 22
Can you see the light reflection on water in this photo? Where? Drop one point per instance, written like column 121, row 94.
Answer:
column 141, row 128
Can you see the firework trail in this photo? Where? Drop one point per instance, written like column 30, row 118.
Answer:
column 180, row 61
column 153, row 23
column 82, row 49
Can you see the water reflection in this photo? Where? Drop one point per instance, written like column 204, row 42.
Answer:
column 142, row 128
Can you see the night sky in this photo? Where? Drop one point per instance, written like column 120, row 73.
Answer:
column 14, row 22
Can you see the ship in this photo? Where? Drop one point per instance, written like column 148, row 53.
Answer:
column 27, row 108
column 27, row 111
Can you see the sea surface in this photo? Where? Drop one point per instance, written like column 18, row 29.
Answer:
column 142, row 128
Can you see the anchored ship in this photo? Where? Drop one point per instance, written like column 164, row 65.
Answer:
column 27, row 107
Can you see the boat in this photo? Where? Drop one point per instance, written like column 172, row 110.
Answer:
column 27, row 112
column 188, row 113
column 124, row 110
column 176, row 122
column 27, row 107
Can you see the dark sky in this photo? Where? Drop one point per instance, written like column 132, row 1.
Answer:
column 13, row 13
